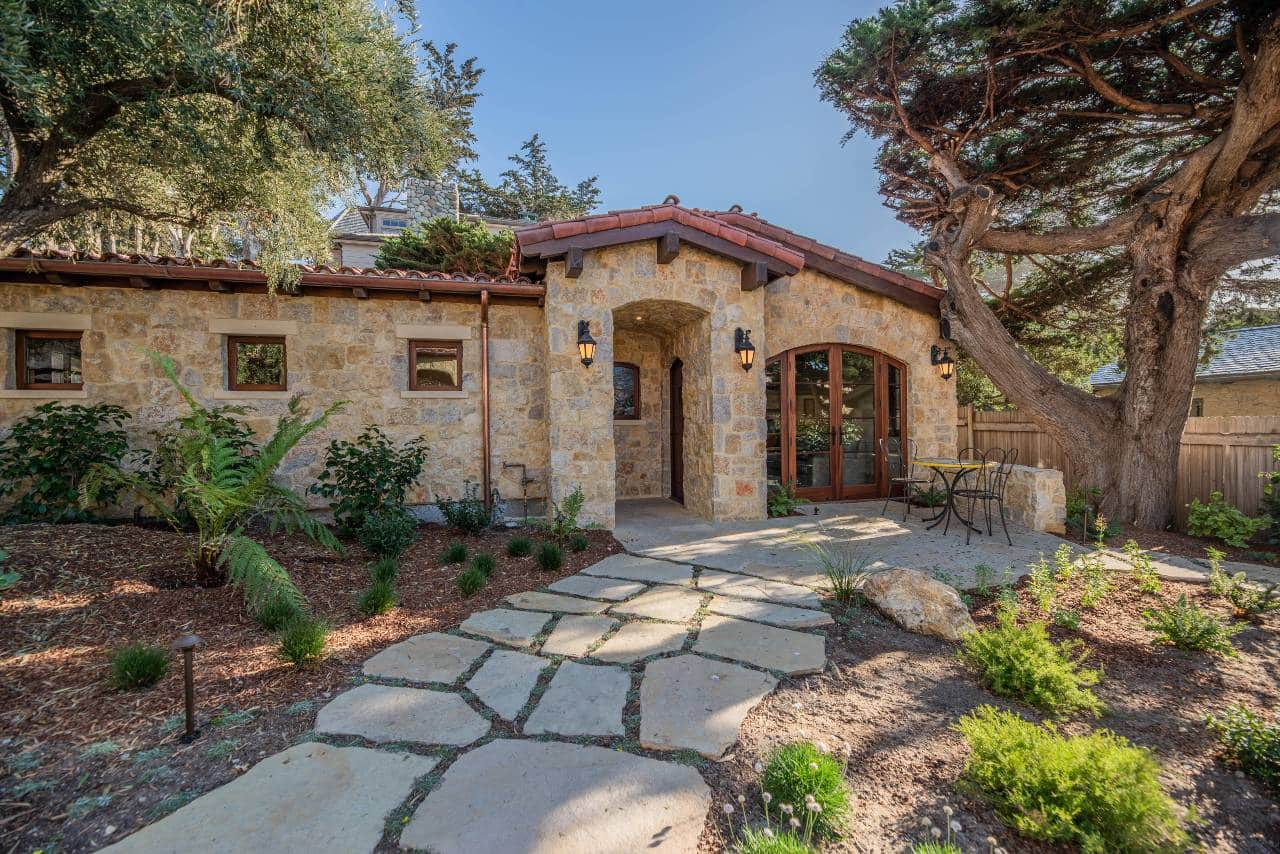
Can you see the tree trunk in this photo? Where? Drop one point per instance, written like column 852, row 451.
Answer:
column 208, row 571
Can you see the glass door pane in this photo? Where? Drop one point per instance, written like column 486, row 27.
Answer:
column 813, row 419
column 857, row 418
column 773, row 422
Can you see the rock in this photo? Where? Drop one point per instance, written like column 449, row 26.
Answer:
column 426, row 658
column 514, row 628
column 674, row 604
column 574, row 635
column 535, row 601
column 596, row 587
column 691, row 702
column 748, row 587
column 783, row 650
column 774, row 615
column 919, row 603
column 307, row 799
column 582, row 699
column 506, row 679
column 635, row 568
column 635, row 641
column 554, row 798
column 384, row 713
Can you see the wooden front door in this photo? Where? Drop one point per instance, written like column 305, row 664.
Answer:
column 677, row 431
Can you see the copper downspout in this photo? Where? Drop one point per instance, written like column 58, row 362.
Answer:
column 484, row 397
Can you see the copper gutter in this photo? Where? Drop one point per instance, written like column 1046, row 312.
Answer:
column 484, row 397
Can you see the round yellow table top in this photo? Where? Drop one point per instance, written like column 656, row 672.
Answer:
column 951, row 464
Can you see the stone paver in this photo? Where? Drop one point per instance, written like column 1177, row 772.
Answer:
column 750, row 587
column 691, row 702
column 506, row 679
column 385, row 713
column 574, row 635
column 307, row 799
column 556, row 798
column 635, row 568
column 513, row 628
column 766, row 612
column 534, row 600
column 635, row 641
column 582, row 699
column 791, row 571
column 674, row 604
column 426, row 658
column 764, row 646
column 597, row 587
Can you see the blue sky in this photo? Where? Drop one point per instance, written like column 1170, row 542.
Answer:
column 713, row 101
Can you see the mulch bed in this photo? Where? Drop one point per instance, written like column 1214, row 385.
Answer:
column 1185, row 545
column 87, row 589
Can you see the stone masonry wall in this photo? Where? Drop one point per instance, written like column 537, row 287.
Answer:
column 1037, row 499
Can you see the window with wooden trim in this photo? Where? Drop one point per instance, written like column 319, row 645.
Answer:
column 47, row 359
column 256, row 363
column 626, row 391
column 435, row 366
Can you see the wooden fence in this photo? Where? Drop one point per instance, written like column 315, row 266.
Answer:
column 1223, row 454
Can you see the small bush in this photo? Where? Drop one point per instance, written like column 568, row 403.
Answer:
column 302, row 640
column 799, row 769
column 1096, row 580
column 754, row 841
column 846, row 570
column 367, row 475
column 384, row 569
column 1023, row 663
column 378, row 598
column 1067, row 619
column 1223, row 521
column 388, row 531
column 984, row 576
column 1096, row 790
column 519, row 547
column 1042, row 583
column 1184, row 625
column 1252, row 742
column 275, row 612
column 1250, row 601
column 471, row 582
column 563, row 519
column 453, row 553
column 550, row 557
column 484, row 563
column 578, row 542
column 930, row 496
column 467, row 514
column 1143, row 572
column 138, row 666
column 782, row 500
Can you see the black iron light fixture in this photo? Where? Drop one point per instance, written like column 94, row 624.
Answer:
column 941, row 358
column 586, row 344
column 744, row 348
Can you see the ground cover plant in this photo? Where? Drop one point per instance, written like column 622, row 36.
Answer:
column 303, row 638
column 455, row 552
column 471, row 581
column 1251, row 742
column 550, row 557
column 138, row 666
column 378, row 598
column 519, row 547
column 484, row 563
column 467, row 514
column 1248, row 600
column 795, row 774
column 845, row 568
column 1221, row 520
column 1185, row 625
column 387, row 531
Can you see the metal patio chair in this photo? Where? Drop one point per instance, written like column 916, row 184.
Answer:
column 901, row 472
column 990, row 488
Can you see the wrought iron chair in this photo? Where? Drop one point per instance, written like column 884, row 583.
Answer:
column 990, row 489
column 902, row 471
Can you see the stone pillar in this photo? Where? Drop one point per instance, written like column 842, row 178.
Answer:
column 428, row 198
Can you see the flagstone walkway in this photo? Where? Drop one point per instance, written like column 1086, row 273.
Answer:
column 570, row 720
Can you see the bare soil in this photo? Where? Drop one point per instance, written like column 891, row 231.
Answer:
column 85, row 764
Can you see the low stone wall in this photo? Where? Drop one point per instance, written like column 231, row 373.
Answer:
column 1037, row 498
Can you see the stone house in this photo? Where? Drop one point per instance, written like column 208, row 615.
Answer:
column 728, row 353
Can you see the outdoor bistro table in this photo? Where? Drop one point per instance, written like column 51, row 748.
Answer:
column 957, row 468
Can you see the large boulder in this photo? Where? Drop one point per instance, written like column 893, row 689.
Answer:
column 919, row 603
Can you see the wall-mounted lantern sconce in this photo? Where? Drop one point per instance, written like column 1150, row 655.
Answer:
column 586, row 344
column 942, row 359
column 744, row 348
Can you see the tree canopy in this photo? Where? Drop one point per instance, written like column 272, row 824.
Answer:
column 528, row 190
column 445, row 245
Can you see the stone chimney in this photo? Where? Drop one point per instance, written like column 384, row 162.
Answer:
column 431, row 197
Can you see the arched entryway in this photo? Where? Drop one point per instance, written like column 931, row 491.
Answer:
column 828, row 408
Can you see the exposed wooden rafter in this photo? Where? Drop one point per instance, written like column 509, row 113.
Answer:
column 668, row 247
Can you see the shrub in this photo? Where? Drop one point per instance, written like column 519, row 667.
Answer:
column 754, row 841
column 1042, row 583
column 46, row 454
column 1096, row 580
column 366, row 475
column 388, row 531
column 845, row 569
column 467, row 514
column 1185, row 626
column 138, row 665
column 798, row 769
column 563, row 519
column 550, row 557
column 984, row 575
column 445, row 244
column 578, row 542
column 1252, row 742
column 782, row 499
column 484, row 563
column 378, row 598
column 275, row 612
column 1249, row 601
column 1022, row 662
column 471, row 581
column 384, row 569
column 1095, row 790
column 519, row 547
column 1223, row 521
column 1271, row 496
column 930, row 496
column 1067, row 619
column 302, row 640
column 1143, row 572
column 453, row 553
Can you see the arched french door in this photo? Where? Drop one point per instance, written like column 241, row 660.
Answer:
column 827, row 408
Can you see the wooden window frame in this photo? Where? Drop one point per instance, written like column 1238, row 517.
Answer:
column 20, row 338
column 418, row 343
column 233, row 340
column 635, row 375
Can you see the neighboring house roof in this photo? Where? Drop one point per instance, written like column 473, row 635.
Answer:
column 349, row 222
column 1247, row 352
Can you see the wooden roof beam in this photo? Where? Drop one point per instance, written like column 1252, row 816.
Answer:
column 668, row 247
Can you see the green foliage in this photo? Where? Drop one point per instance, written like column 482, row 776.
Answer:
column 138, row 665
column 47, row 453
column 1023, row 663
column 1250, row 741
column 846, row 569
column 783, row 500
column 1184, row 625
column 453, row 553
column 1250, row 601
column 519, row 547
column 1271, row 496
column 367, row 475
column 1223, row 521
column 529, row 190
column 467, row 514
column 448, row 245
column 1042, row 582
column 929, row 496
column 163, row 467
column 550, row 557
column 378, row 598
column 984, row 576
column 484, row 563
column 274, row 613
column 798, row 769
column 387, row 531
column 384, row 569
column 1144, row 573
column 1067, row 619
column 7, row 579
column 935, row 846
column 563, row 520
column 302, row 640
column 1096, row 580
column 471, row 581
column 1096, row 790
column 578, row 542
column 753, row 841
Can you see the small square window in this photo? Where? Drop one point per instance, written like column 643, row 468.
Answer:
column 626, row 391
column 48, row 359
column 435, row 365
column 1197, row 407
column 256, row 363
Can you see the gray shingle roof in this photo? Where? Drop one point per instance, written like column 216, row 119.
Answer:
column 1253, row 350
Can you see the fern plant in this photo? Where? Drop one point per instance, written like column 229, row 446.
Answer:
column 224, row 492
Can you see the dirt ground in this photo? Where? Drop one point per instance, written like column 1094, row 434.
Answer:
column 1185, row 545
column 84, row 763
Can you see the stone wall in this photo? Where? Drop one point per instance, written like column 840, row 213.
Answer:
column 431, row 197
column 641, row 445
column 1037, row 499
